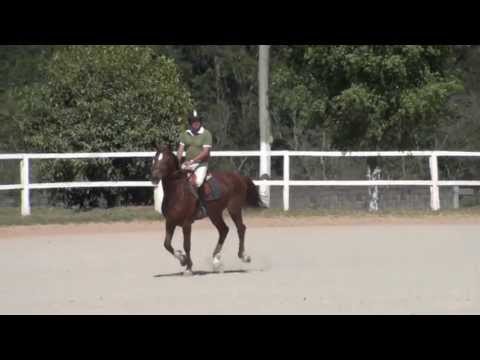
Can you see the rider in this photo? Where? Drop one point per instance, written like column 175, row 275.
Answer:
column 197, row 143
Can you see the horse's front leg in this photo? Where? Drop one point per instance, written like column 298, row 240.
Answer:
column 170, row 231
column 187, row 246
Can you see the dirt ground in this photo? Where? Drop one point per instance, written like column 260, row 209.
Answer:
column 300, row 266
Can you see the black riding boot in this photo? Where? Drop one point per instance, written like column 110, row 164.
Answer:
column 202, row 207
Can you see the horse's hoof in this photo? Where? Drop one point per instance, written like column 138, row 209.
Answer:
column 181, row 257
column 217, row 264
column 219, row 269
column 188, row 273
column 246, row 259
column 183, row 262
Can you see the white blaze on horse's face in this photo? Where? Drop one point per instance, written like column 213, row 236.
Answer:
column 158, row 158
column 156, row 171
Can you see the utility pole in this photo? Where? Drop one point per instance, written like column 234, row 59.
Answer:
column 264, row 120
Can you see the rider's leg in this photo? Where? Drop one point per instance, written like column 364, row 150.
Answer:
column 200, row 176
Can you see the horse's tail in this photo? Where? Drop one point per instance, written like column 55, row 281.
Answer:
column 253, row 196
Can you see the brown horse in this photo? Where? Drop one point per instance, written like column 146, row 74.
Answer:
column 180, row 205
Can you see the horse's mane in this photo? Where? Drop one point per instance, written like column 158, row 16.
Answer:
column 177, row 163
column 179, row 173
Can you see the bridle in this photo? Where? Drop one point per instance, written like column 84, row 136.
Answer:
column 176, row 172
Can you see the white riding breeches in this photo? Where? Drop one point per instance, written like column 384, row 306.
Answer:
column 200, row 171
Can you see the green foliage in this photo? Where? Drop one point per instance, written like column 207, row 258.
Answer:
column 122, row 98
column 19, row 66
column 102, row 99
column 368, row 97
column 223, row 82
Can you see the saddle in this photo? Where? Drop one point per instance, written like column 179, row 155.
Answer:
column 210, row 190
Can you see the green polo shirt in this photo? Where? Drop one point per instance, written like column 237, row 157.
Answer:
column 194, row 144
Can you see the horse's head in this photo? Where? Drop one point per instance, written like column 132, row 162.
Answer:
column 164, row 164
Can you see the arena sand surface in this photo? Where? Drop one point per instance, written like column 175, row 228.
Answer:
column 300, row 266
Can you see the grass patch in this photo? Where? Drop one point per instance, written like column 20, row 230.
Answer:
column 342, row 213
column 58, row 216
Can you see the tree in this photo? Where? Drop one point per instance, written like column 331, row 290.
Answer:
column 297, row 109
column 366, row 97
column 371, row 97
column 223, row 80
column 102, row 99
column 460, row 131
column 19, row 66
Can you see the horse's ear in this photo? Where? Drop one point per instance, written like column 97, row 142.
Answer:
column 157, row 146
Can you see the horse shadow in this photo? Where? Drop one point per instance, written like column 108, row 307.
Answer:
column 207, row 273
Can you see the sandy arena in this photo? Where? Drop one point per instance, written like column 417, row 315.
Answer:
column 300, row 266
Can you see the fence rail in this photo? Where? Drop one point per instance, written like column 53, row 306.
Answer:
column 434, row 183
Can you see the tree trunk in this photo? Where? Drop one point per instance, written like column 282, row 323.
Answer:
column 373, row 174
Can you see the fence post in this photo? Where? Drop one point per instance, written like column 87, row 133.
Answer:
column 25, row 180
column 265, row 174
column 158, row 198
column 286, row 181
column 456, row 197
column 434, row 189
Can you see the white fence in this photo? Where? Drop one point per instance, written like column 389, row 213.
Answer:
column 434, row 183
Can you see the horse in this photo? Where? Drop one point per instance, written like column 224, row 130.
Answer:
column 180, row 205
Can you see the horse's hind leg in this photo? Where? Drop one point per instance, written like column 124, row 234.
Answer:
column 237, row 218
column 223, row 230
column 187, row 246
